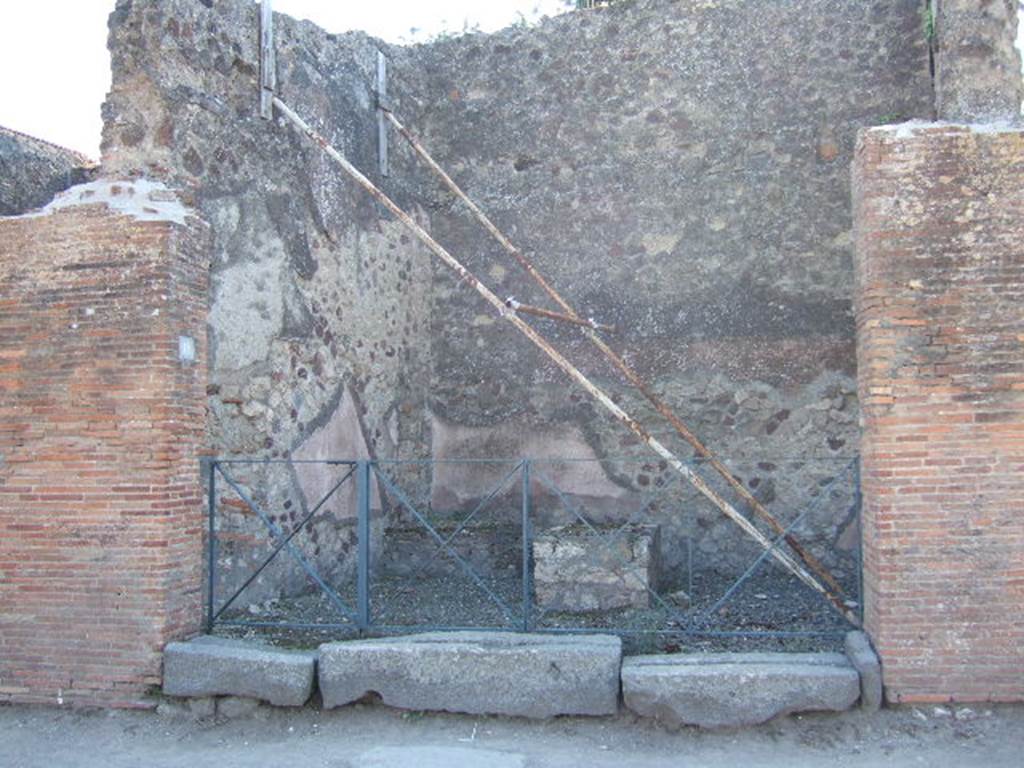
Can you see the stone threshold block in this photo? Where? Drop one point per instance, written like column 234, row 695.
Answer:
column 732, row 690
column 576, row 571
column 213, row 666
column 496, row 673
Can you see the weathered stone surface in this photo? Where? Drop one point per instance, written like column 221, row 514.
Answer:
column 663, row 178
column 729, row 690
column 667, row 180
column 231, row 707
column 209, row 666
column 489, row 549
column 864, row 659
column 203, row 707
column 317, row 300
column 577, row 570
column 32, row 171
column 477, row 672
column 977, row 63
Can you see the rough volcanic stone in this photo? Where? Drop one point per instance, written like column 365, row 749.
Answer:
column 576, row 570
column 865, row 661
column 729, row 690
column 693, row 175
column 209, row 666
column 203, row 707
column 32, row 171
column 478, row 673
column 977, row 64
column 231, row 707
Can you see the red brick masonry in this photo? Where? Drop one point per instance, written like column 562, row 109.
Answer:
column 100, row 430
column 939, row 220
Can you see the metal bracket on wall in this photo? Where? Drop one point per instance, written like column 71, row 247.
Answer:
column 268, row 64
column 382, row 107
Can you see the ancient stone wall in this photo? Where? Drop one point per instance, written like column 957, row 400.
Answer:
column 940, row 285
column 318, row 301
column 690, row 188
column 101, row 424
column 680, row 170
column 977, row 63
column 33, row 171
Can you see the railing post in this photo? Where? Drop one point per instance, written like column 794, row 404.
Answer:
column 211, row 545
column 363, row 478
column 527, row 547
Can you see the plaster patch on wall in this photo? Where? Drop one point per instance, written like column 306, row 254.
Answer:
column 246, row 313
column 142, row 199
column 341, row 437
column 456, row 484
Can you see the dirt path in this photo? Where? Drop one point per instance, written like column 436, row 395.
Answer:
column 377, row 737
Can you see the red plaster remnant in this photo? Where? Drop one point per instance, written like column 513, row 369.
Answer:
column 100, row 425
column 940, row 287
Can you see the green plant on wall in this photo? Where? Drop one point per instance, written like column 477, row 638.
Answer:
column 929, row 21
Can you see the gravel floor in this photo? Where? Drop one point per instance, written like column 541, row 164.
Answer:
column 769, row 602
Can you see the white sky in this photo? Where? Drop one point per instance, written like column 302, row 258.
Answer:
column 56, row 70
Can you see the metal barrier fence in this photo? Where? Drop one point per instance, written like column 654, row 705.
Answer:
column 340, row 548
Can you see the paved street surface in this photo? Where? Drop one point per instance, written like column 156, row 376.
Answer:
column 367, row 736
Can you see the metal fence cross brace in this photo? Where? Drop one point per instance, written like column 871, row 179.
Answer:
column 466, row 567
column 282, row 542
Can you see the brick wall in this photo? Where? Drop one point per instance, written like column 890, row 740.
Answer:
column 940, row 317
column 100, row 429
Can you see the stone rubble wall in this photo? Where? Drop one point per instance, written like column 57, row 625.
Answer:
column 680, row 170
column 32, row 171
column 692, row 188
column 977, row 63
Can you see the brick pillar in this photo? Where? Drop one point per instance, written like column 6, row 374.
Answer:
column 101, row 424
column 939, row 226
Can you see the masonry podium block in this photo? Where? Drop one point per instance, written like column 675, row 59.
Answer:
column 939, row 229
column 103, row 300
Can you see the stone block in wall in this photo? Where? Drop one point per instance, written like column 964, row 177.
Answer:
column 577, row 570
column 940, row 285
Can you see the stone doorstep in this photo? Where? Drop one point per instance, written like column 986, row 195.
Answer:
column 213, row 666
column 497, row 673
column 731, row 690
column 532, row 676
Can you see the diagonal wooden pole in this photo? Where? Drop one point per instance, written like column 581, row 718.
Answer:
column 624, row 368
column 527, row 330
